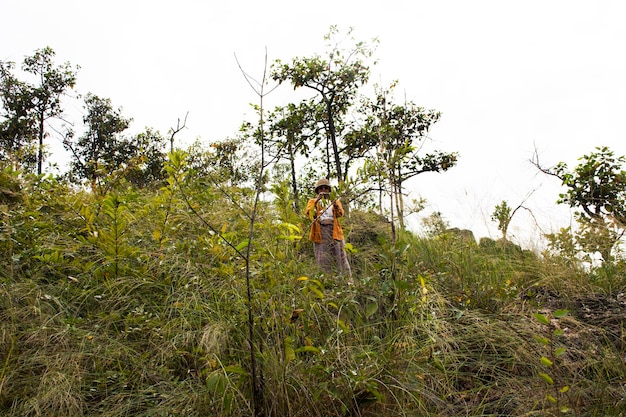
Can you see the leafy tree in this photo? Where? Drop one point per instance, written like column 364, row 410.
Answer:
column 232, row 161
column 27, row 106
column 336, row 78
column 397, row 133
column 565, row 245
column 593, row 236
column 597, row 188
column 596, row 236
column 502, row 215
column 435, row 224
column 18, row 127
column 100, row 149
column 197, row 158
column 147, row 156
column 292, row 131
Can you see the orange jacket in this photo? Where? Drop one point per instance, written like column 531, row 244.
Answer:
column 316, row 231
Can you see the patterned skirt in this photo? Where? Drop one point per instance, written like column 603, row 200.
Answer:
column 331, row 252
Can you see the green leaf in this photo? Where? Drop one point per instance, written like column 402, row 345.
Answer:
column 291, row 238
column 559, row 314
column 546, row 378
column 317, row 282
column 235, row 369
column 216, row 381
column 541, row 318
column 242, row 245
column 315, row 291
column 564, row 389
column 227, row 402
column 350, row 249
column 558, row 332
column 559, row 351
column 343, row 326
column 542, row 340
column 551, row 398
column 370, row 309
column 310, row 349
column 292, row 228
column 545, row 361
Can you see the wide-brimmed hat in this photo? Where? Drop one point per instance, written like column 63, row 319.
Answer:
column 321, row 183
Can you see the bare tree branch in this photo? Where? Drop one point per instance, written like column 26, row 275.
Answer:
column 175, row 131
column 548, row 171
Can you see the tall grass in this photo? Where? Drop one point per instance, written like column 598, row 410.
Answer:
column 140, row 311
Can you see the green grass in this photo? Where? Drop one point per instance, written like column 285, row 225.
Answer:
column 139, row 310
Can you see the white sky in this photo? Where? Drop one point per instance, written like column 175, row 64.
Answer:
column 507, row 76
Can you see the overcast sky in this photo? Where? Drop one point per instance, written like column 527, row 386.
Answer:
column 508, row 77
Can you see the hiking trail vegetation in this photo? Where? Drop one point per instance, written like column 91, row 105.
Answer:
column 148, row 282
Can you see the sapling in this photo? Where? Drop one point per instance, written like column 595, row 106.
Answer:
column 549, row 361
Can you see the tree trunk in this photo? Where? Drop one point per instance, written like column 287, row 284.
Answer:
column 40, row 151
column 333, row 139
column 294, row 183
column 399, row 199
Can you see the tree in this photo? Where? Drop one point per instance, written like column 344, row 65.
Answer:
column 100, row 149
column 336, row 78
column 503, row 214
column 435, row 224
column 292, row 131
column 232, row 161
column 590, row 238
column 18, row 127
column 27, row 106
column 145, row 153
column 397, row 134
column 596, row 187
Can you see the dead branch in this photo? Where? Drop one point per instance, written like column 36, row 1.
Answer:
column 176, row 130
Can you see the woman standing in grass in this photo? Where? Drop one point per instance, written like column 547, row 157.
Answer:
column 326, row 232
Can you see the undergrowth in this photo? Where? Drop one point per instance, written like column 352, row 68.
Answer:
column 125, row 304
